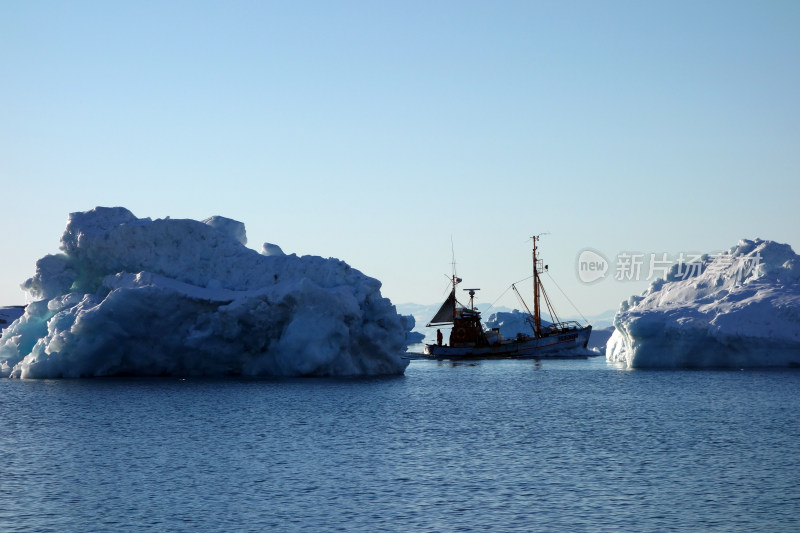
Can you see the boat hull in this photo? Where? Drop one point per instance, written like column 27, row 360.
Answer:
column 565, row 344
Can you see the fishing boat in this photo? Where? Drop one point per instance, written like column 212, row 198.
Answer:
column 470, row 340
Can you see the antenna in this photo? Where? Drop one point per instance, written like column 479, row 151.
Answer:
column 471, row 297
column 453, row 254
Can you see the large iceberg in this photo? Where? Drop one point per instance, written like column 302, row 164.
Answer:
column 131, row 296
column 736, row 309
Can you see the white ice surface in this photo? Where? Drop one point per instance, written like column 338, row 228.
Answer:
column 131, row 296
column 510, row 323
column 738, row 309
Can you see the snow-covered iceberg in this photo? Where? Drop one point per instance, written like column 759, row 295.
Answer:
column 731, row 310
column 131, row 296
column 510, row 323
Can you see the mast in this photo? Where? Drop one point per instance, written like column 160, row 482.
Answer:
column 454, row 289
column 537, row 317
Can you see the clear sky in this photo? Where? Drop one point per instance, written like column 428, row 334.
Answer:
column 380, row 132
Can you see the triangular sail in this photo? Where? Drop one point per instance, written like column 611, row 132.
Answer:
column 445, row 313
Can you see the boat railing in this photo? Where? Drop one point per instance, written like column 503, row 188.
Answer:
column 560, row 327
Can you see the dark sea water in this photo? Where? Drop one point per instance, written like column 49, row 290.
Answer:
column 493, row 446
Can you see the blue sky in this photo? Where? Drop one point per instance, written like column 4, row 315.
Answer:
column 377, row 132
